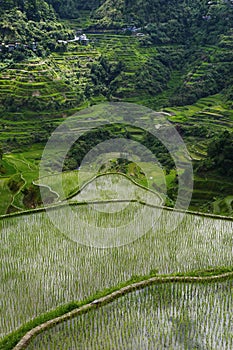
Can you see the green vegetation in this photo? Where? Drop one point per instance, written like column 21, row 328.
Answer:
column 183, row 53
column 91, row 139
column 171, row 315
column 172, row 56
column 30, row 24
column 201, row 125
column 192, row 40
column 18, row 173
column 57, row 266
column 198, row 124
column 220, row 155
column 71, row 310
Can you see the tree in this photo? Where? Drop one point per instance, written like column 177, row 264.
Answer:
column 1, row 153
column 220, row 155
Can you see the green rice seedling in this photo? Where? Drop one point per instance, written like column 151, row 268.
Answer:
column 166, row 316
column 41, row 267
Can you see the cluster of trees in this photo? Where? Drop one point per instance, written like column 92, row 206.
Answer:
column 170, row 21
column 206, row 72
column 35, row 10
column 122, row 165
column 85, row 143
column 72, row 8
column 153, row 74
column 12, row 103
column 219, row 155
column 107, row 77
column 104, row 77
column 96, row 136
column 28, row 21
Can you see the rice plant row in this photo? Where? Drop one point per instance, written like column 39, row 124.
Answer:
column 166, row 316
column 42, row 267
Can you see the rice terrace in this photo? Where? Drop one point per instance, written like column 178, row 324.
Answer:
column 52, row 270
column 65, row 290
column 116, row 175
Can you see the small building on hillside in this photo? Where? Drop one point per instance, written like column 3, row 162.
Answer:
column 17, row 46
column 131, row 29
column 83, row 39
column 62, row 42
column 34, row 46
column 10, row 47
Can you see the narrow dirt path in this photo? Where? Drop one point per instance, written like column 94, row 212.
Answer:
column 48, row 187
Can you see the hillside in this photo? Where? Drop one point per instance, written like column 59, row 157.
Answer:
column 174, row 56
column 171, row 21
column 194, row 38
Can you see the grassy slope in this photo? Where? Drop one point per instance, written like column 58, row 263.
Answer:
column 212, row 114
column 17, row 166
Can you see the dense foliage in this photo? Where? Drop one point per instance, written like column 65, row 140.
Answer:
column 170, row 21
column 165, row 22
column 220, row 155
column 27, row 22
column 85, row 143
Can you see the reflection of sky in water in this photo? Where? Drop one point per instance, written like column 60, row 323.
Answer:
column 115, row 187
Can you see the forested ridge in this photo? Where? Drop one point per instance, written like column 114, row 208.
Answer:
column 166, row 21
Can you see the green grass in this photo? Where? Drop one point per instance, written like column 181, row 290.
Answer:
column 69, row 180
column 5, row 195
column 23, row 166
column 224, row 206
